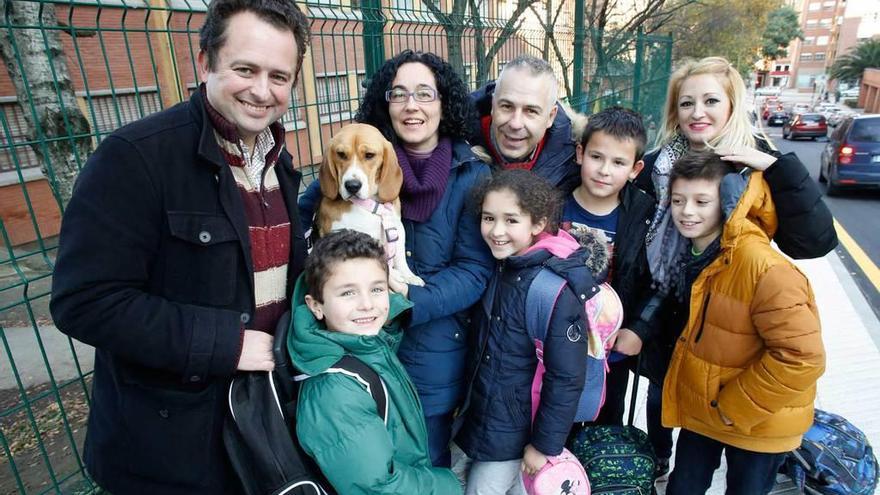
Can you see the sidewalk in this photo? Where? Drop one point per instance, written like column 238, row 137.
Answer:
column 851, row 333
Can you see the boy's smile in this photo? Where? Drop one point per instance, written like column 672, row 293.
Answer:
column 607, row 164
column 696, row 210
column 355, row 298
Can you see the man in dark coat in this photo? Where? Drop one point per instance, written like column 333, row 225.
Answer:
column 522, row 125
column 178, row 253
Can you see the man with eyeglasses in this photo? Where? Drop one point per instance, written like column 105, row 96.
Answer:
column 522, row 125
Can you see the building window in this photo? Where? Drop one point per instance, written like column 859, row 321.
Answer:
column 787, row 68
column 778, row 68
column 825, row 22
column 469, row 75
column 114, row 112
column 819, row 56
column 809, row 40
column 403, row 4
column 332, row 94
column 814, row 6
column 822, row 40
column 293, row 117
column 17, row 134
column 811, row 23
column 805, row 57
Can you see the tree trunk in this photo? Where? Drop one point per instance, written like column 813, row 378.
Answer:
column 36, row 64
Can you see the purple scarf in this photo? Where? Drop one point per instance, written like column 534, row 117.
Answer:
column 424, row 181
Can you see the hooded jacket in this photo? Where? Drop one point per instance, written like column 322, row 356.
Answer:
column 496, row 418
column 751, row 349
column 337, row 422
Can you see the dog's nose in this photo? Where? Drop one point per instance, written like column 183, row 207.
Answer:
column 353, row 186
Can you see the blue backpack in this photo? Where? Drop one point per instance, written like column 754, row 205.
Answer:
column 834, row 459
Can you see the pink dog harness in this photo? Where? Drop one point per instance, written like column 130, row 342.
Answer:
column 386, row 216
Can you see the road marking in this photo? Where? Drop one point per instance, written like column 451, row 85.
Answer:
column 870, row 270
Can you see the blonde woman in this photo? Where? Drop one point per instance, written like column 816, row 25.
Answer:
column 706, row 107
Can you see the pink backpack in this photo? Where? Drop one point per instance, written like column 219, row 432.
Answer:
column 604, row 313
column 562, row 475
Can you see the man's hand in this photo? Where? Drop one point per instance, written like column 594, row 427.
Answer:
column 628, row 342
column 256, row 352
column 533, row 460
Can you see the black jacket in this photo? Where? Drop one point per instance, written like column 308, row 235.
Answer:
column 496, row 418
column 154, row 271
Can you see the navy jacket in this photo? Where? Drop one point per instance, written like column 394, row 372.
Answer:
column 449, row 254
column 154, row 271
column 495, row 422
column 556, row 163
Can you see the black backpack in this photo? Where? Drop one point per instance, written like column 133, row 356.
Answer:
column 260, row 430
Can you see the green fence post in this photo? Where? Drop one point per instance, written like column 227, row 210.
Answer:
column 578, row 70
column 637, row 72
column 374, row 41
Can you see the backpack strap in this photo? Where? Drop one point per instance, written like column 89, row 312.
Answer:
column 368, row 378
column 540, row 301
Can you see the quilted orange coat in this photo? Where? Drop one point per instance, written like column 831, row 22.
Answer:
column 752, row 347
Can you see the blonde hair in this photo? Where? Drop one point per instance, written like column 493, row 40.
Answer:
column 737, row 131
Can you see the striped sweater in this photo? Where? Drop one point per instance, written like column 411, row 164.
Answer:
column 266, row 214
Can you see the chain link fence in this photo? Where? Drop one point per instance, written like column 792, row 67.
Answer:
column 77, row 70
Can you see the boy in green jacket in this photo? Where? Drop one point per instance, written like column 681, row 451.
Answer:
column 342, row 306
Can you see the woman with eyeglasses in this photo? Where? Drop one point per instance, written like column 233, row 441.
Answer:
column 422, row 106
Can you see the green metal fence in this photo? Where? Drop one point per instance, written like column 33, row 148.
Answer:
column 78, row 70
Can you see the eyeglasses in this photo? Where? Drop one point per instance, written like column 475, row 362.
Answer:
column 421, row 95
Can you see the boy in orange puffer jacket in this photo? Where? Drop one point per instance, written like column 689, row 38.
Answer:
column 743, row 374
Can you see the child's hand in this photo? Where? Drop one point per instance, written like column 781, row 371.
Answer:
column 533, row 460
column 628, row 342
column 749, row 157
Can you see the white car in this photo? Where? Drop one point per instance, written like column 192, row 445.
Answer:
column 768, row 91
column 800, row 108
column 852, row 93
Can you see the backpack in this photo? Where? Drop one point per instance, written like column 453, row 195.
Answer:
column 617, row 459
column 259, row 432
column 834, row 459
column 604, row 313
column 563, row 474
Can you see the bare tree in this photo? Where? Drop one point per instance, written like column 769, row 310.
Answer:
column 611, row 31
column 36, row 64
column 548, row 24
column 454, row 25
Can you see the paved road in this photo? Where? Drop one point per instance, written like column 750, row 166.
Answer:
column 858, row 212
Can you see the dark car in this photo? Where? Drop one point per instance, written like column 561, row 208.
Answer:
column 811, row 125
column 777, row 118
column 852, row 157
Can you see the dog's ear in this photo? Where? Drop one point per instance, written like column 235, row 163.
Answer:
column 328, row 176
column 390, row 176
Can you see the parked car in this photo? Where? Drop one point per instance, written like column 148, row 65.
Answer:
column 839, row 116
column 851, row 93
column 770, row 106
column 800, row 108
column 811, row 125
column 824, row 107
column 852, row 156
column 777, row 118
column 768, row 90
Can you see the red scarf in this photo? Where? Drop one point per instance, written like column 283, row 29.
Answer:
column 486, row 125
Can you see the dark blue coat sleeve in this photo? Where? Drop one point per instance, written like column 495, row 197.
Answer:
column 110, row 239
column 308, row 204
column 565, row 353
column 806, row 227
column 459, row 285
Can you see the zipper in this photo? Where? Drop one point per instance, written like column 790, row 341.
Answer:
column 703, row 317
column 614, row 456
column 619, row 490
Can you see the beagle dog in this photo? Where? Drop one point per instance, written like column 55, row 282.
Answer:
column 360, row 184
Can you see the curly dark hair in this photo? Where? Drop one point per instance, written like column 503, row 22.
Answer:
column 459, row 117
column 281, row 14
column 336, row 247
column 534, row 194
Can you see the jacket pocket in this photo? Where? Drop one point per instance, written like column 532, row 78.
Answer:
column 170, row 432
column 201, row 262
